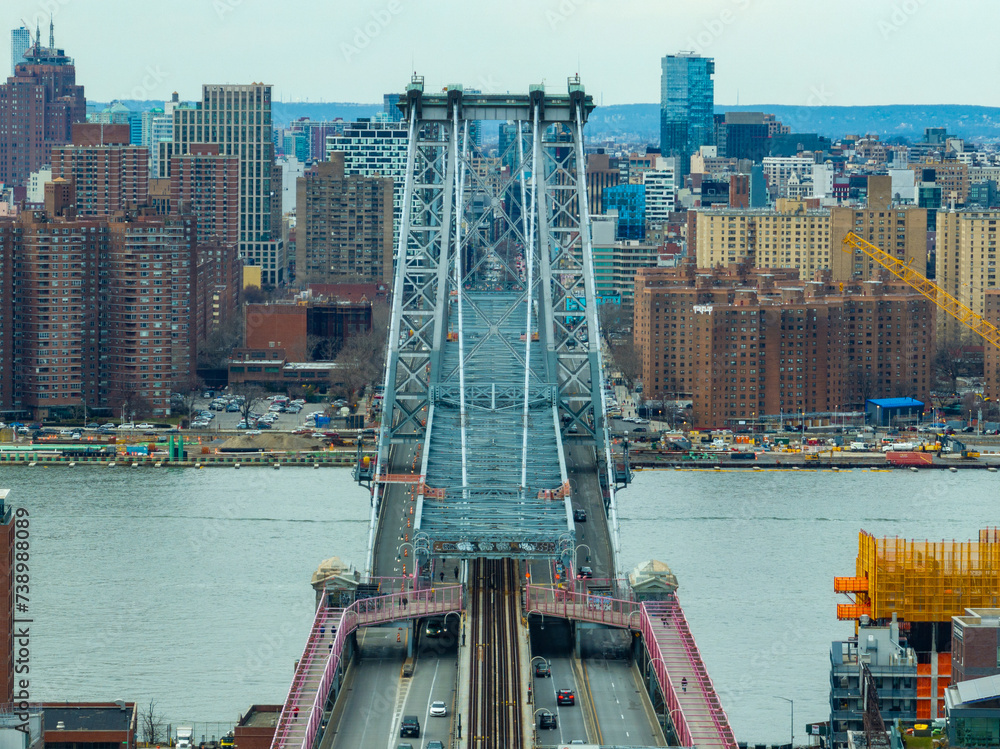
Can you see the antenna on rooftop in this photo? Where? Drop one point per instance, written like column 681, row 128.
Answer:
column 52, row 33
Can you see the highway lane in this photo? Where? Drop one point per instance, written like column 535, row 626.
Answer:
column 619, row 704
column 587, row 495
column 434, row 678
column 371, row 696
column 569, row 717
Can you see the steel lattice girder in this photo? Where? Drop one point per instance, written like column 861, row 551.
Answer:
column 470, row 423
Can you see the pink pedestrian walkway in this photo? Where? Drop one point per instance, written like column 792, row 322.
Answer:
column 299, row 724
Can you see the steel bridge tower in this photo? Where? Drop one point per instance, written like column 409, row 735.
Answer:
column 494, row 359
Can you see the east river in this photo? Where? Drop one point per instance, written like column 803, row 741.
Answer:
column 191, row 587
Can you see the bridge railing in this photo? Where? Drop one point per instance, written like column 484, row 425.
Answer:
column 366, row 611
column 674, row 614
column 666, row 685
column 591, row 607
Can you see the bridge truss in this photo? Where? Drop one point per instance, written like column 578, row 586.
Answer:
column 494, row 360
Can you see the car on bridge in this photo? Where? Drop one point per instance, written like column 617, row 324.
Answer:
column 410, row 727
column 565, row 697
column 580, row 516
column 433, row 628
column 542, row 670
column 438, row 709
column 585, row 572
column 547, row 720
column 435, row 745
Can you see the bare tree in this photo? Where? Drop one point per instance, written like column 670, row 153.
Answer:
column 251, row 396
column 627, row 360
column 615, row 321
column 948, row 362
column 125, row 397
column 214, row 352
column 360, row 363
column 322, row 348
column 860, row 386
column 152, row 725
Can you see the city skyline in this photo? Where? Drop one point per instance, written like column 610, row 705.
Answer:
column 766, row 51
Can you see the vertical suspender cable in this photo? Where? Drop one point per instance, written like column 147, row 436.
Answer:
column 459, row 211
column 530, row 260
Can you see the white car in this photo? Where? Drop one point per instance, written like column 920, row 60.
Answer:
column 144, row 425
column 438, row 709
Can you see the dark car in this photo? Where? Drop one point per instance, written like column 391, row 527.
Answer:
column 580, row 516
column 435, row 745
column 542, row 670
column 585, row 572
column 565, row 697
column 410, row 727
column 547, row 720
column 433, row 629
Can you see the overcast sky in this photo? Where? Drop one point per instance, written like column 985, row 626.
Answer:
column 840, row 52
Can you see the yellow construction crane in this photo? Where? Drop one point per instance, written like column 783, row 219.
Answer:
column 940, row 297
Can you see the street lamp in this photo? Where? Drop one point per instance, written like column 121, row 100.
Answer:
column 791, row 705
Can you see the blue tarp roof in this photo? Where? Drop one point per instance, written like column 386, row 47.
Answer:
column 896, row 402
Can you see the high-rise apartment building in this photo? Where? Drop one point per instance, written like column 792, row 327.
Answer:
column 778, row 170
column 661, row 193
column 602, row 172
column 966, row 262
column 102, row 309
column 751, row 343
column 687, row 102
column 788, row 236
column 38, row 106
column 952, row 177
column 991, row 354
column 147, row 307
column 108, row 173
column 205, row 184
column 238, row 119
column 343, row 226
column 20, row 41
column 899, row 230
column 375, row 148
column 746, row 136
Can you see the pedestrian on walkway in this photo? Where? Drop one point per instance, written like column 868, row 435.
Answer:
column 456, row 571
column 684, row 684
column 403, row 602
column 442, row 577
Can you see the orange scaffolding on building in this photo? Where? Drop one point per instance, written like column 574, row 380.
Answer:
column 922, row 581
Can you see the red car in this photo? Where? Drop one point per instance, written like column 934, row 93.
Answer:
column 565, row 697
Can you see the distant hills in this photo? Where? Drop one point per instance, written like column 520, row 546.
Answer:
column 638, row 122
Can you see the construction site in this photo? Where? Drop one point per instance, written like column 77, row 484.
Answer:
column 904, row 598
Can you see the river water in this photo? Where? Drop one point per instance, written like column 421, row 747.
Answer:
column 192, row 587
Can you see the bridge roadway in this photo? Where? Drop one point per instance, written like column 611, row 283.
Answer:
column 508, row 410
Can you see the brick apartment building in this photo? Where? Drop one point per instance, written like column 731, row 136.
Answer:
column 787, row 236
column 899, row 230
column 758, row 345
column 205, row 184
column 146, row 310
column 102, row 310
column 792, row 235
column 344, row 225
column 38, row 106
column 108, row 174
column 966, row 262
column 991, row 354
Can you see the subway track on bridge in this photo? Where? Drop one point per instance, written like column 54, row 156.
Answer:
column 495, row 710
